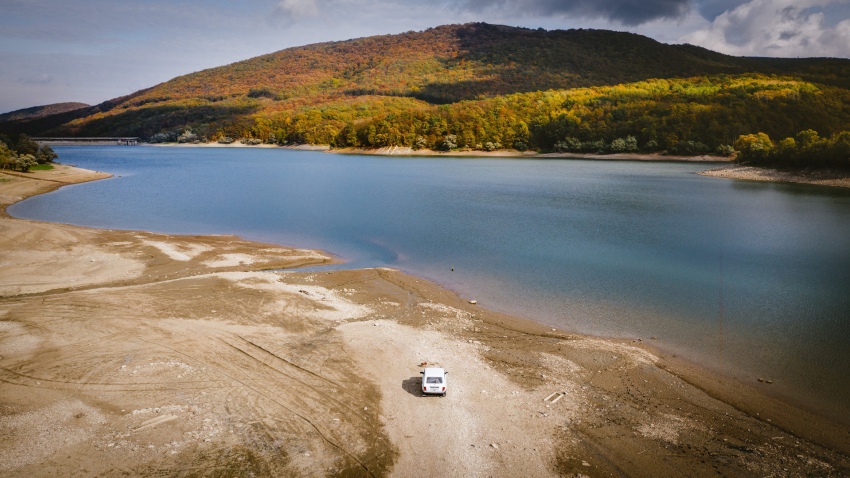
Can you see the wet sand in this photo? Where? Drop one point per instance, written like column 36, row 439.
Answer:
column 125, row 352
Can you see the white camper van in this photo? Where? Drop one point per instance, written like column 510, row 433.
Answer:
column 434, row 381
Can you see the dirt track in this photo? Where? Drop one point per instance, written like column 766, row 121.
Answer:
column 135, row 353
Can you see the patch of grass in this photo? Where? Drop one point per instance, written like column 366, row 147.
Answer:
column 42, row 167
column 6, row 180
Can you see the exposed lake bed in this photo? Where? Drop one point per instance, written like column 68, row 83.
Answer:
column 495, row 347
column 615, row 249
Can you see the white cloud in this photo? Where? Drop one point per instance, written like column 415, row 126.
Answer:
column 296, row 9
column 776, row 28
column 41, row 79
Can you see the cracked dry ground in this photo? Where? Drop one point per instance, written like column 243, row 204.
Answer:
column 128, row 353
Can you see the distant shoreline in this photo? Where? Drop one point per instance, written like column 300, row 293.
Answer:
column 512, row 153
column 840, row 179
column 502, row 153
column 731, row 171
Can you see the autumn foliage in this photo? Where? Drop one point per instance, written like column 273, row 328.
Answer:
column 485, row 86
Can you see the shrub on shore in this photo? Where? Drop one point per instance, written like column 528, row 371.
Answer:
column 23, row 145
column 187, row 137
column 7, row 156
column 45, row 154
column 806, row 150
column 25, row 162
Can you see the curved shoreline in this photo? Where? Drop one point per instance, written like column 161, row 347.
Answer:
column 502, row 153
column 730, row 171
column 506, row 347
column 840, row 179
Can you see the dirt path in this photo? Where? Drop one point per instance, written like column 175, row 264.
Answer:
column 133, row 353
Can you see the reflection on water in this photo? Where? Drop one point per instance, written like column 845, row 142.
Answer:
column 624, row 249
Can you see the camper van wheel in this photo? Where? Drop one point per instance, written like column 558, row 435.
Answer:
column 444, row 394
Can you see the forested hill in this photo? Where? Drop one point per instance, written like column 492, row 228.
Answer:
column 480, row 82
column 40, row 111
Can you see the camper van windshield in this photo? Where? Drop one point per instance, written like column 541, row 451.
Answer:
column 434, row 380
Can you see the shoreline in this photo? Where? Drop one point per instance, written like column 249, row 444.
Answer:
column 503, row 153
column 829, row 178
column 379, row 309
column 510, row 153
column 730, row 171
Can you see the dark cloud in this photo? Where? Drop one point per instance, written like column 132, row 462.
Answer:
column 710, row 9
column 626, row 12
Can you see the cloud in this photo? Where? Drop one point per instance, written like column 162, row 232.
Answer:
column 296, row 9
column 626, row 12
column 41, row 79
column 710, row 9
column 777, row 28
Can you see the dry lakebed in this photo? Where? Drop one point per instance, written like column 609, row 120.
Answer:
column 138, row 354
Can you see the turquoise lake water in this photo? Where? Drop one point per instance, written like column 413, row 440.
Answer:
column 610, row 248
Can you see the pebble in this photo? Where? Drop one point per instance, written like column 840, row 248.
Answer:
column 584, row 463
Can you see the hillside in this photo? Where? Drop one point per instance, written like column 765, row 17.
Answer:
column 484, row 84
column 40, row 111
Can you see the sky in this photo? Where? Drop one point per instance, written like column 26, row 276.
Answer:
column 90, row 51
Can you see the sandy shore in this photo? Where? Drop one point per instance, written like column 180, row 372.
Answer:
column 236, row 144
column 512, row 153
column 133, row 353
column 820, row 178
column 504, row 153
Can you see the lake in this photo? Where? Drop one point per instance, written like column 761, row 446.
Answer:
column 609, row 248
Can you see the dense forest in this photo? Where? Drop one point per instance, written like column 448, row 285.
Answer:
column 482, row 86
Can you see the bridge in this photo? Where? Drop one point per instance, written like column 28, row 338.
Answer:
column 124, row 140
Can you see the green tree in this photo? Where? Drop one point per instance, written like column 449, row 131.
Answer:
column 45, row 154
column 618, row 145
column 753, row 147
column 25, row 162
column 631, row 143
column 25, row 145
column 840, row 149
column 7, row 156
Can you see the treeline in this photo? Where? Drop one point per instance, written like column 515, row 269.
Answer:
column 806, row 150
column 682, row 116
column 21, row 152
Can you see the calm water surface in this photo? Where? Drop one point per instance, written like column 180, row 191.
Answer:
column 620, row 249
